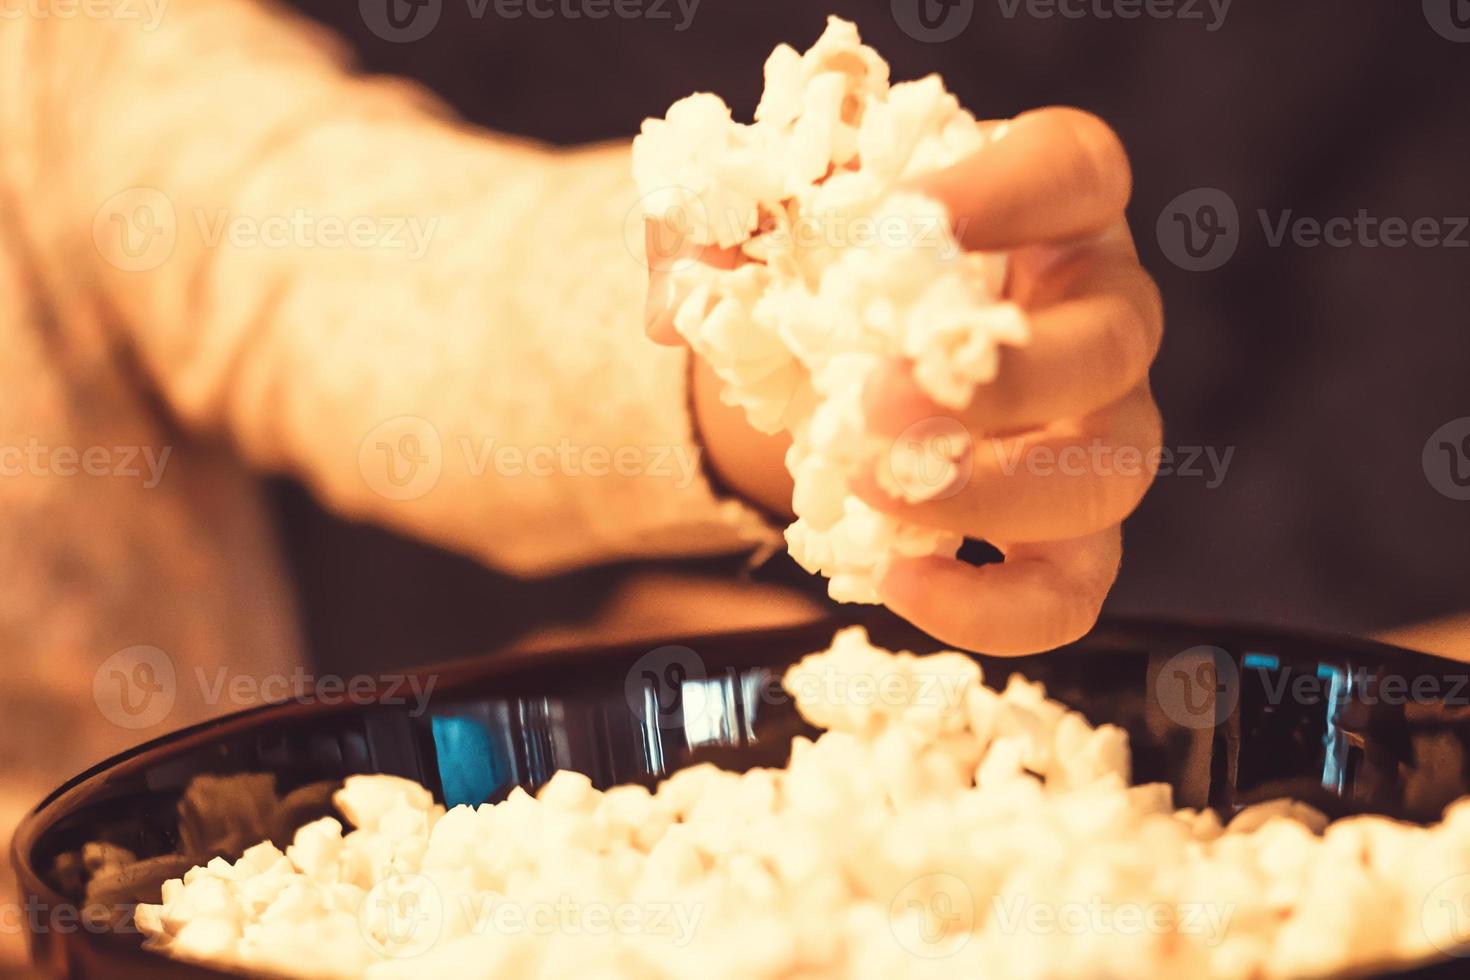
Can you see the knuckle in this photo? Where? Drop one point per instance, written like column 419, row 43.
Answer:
column 1106, row 169
column 1083, row 608
column 1149, row 301
column 1132, row 333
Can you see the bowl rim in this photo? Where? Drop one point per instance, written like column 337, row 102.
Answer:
column 531, row 661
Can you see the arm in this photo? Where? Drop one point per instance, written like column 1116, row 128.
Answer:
column 435, row 328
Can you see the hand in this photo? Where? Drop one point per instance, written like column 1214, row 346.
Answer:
column 1061, row 439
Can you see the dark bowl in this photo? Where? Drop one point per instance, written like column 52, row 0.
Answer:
column 1228, row 715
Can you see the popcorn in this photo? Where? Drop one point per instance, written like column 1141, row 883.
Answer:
column 846, row 270
column 938, row 828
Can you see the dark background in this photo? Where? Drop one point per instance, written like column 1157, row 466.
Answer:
column 1326, row 369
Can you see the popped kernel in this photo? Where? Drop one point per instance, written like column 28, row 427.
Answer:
column 847, row 270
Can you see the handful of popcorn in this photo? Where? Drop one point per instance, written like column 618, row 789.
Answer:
column 842, row 269
column 937, row 828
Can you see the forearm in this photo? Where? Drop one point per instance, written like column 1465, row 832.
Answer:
column 1447, row 637
column 339, row 270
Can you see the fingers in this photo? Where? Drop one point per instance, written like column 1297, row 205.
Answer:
column 1041, row 597
column 1096, row 326
column 1051, row 174
column 665, row 251
column 1066, row 481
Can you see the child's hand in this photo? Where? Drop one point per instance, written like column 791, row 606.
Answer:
column 1062, row 439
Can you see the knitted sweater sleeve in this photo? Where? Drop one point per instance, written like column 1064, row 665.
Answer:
column 436, row 328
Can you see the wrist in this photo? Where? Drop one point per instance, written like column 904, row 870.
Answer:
column 747, row 463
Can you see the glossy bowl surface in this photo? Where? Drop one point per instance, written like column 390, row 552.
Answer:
column 1228, row 715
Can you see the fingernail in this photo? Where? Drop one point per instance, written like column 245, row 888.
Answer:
column 657, row 304
column 665, row 294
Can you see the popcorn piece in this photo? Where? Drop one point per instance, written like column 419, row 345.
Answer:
column 938, row 828
column 846, row 272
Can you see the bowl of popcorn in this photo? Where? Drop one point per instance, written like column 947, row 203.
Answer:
column 1158, row 800
column 847, row 800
